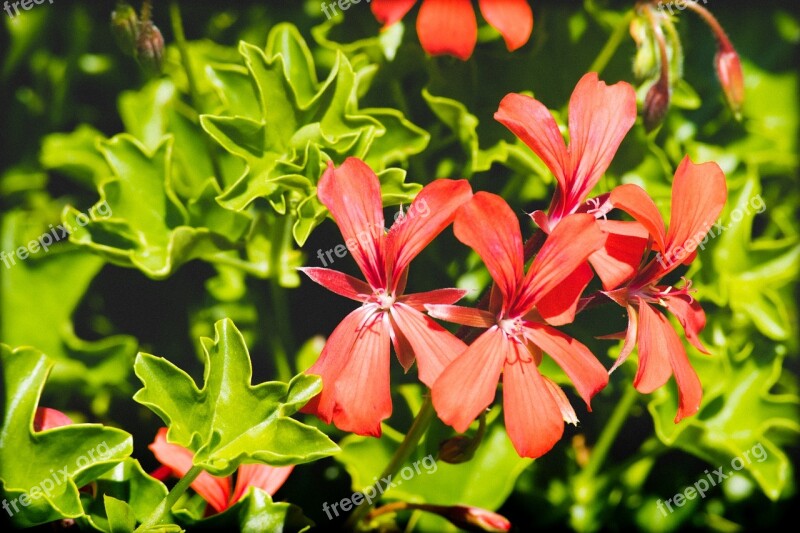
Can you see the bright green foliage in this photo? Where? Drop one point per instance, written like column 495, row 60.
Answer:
column 47, row 468
column 299, row 125
column 255, row 512
column 229, row 421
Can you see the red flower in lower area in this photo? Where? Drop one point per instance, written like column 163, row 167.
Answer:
column 535, row 407
column 47, row 418
column 354, row 365
column 698, row 195
column 216, row 490
column 450, row 26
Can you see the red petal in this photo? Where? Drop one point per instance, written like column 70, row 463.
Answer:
column 533, row 416
column 390, row 11
column 663, row 348
column 618, row 261
column 468, row 385
column 559, row 305
column 353, row 196
column 438, row 296
column 512, row 18
column 334, row 358
column 214, row 490
column 447, row 27
column 533, row 123
column 265, row 477
column 338, row 282
column 431, row 212
column 434, row 346
column 637, row 203
column 630, row 337
column 570, row 244
column 363, row 397
column 698, row 196
column 47, row 418
column 499, row 244
column 567, row 412
column 691, row 316
column 466, row 316
column 599, row 118
column 583, row 369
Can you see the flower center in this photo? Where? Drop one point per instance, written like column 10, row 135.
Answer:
column 383, row 299
column 658, row 295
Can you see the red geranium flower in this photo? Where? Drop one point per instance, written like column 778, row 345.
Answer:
column 535, row 407
column 216, row 490
column 698, row 195
column 599, row 118
column 450, row 26
column 354, row 365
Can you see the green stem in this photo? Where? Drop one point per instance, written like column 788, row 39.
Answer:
column 280, row 330
column 170, row 500
column 194, row 94
column 614, row 41
column 418, row 428
column 609, row 433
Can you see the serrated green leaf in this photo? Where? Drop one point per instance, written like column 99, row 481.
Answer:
column 47, row 468
column 229, row 421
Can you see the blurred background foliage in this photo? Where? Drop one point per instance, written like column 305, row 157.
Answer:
column 212, row 210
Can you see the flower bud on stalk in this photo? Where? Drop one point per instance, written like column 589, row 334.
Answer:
column 656, row 104
column 150, row 47
column 729, row 70
column 125, row 27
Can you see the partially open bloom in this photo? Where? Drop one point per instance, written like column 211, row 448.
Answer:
column 698, row 195
column 599, row 118
column 217, row 490
column 535, row 407
column 450, row 26
column 354, row 365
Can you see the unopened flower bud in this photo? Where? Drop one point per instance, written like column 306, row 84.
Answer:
column 125, row 27
column 729, row 70
column 476, row 519
column 150, row 47
column 656, row 104
column 458, row 449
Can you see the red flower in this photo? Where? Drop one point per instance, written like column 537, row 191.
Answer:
column 217, row 490
column 450, row 26
column 599, row 118
column 535, row 407
column 354, row 365
column 698, row 195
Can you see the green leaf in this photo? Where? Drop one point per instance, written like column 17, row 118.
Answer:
column 120, row 516
column 422, row 480
column 147, row 226
column 739, row 414
column 254, row 513
column 300, row 124
column 76, row 155
column 229, row 421
column 126, row 483
column 47, row 288
column 47, row 468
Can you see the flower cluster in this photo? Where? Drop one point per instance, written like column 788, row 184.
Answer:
column 525, row 306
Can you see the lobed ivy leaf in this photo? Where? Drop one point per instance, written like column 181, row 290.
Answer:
column 148, row 227
column 122, row 497
column 254, row 513
column 300, row 124
column 46, row 468
column 229, row 421
column 739, row 413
